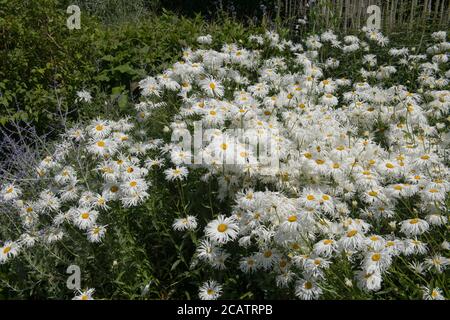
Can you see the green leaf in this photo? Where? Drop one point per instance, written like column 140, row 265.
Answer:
column 117, row 90
column 123, row 102
column 176, row 263
column 125, row 68
column 102, row 77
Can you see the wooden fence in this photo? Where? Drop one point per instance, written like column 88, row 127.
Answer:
column 352, row 14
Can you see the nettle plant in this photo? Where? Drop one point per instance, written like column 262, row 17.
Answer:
column 355, row 206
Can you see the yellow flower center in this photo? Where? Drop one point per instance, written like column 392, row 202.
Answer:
column 6, row 250
column 390, row 243
column 376, row 257
column 268, row 254
column 222, row 227
column 101, row 144
column 85, row 215
column 308, row 285
column 320, row 161
column 351, row 233
column 292, row 218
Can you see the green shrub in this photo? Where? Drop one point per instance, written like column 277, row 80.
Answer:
column 43, row 63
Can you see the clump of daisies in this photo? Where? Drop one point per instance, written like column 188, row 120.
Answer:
column 362, row 164
column 93, row 169
column 323, row 172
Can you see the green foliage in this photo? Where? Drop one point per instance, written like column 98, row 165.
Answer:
column 41, row 60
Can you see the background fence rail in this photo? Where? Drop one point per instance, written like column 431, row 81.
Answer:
column 352, row 14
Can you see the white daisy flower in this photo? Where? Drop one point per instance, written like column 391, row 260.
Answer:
column 222, row 229
column 84, row 295
column 177, row 173
column 8, row 250
column 210, row 290
column 307, row 290
column 188, row 223
column 414, row 227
